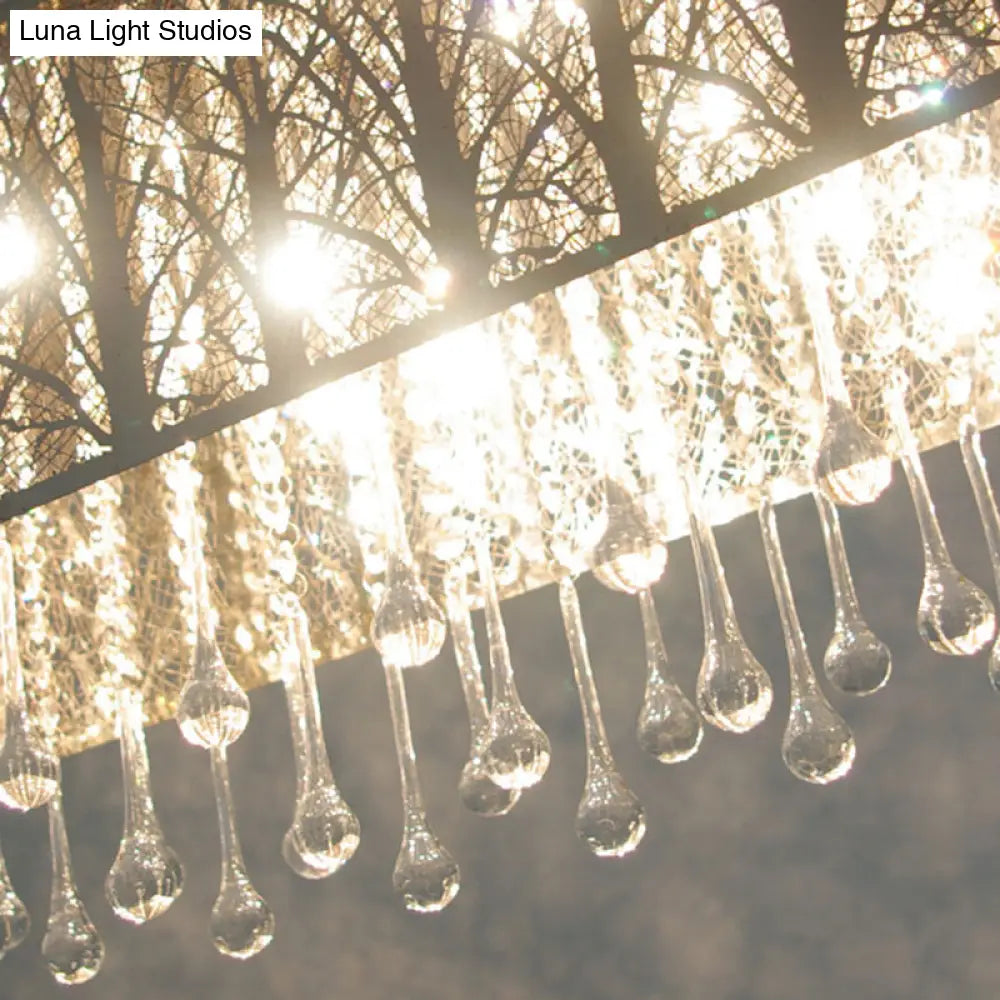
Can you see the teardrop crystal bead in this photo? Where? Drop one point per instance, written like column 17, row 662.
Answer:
column 853, row 466
column 408, row 628
column 630, row 555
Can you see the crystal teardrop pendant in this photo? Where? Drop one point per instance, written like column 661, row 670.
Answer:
column 975, row 467
column 734, row 692
column 853, row 466
column 15, row 921
column 426, row 876
column 954, row 617
column 669, row 727
column 213, row 710
column 242, row 924
column 817, row 745
column 29, row 770
column 517, row 751
column 610, row 819
column 856, row 660
column 146, row 876
column 479, row 793
column 630, row 555
column 408, row 628
column 72, row 948
column 324, row 833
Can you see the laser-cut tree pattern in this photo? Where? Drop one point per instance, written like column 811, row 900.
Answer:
column 216, row 231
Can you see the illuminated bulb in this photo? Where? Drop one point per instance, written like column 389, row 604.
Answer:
column 437, row 282
column 18, row 252
column 300, row 274
column 721, row 110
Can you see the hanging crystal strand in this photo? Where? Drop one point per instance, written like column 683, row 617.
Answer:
column 954, row 616
column 213, row 709
column 146, row 876
column 15, row 921
column 242, row 924
column 408, row 628
column 72, row 948
column 734, row 692
column 853, row 465
column 324, row 833
column 478, row 792
column 817, row 745
column 517, row 751
column 610, row 819
column 630, row 555
column 856, row 660
column 669, row 727
column 975, row 467
column 29, row 770
column 296, row 711
column 426, row 876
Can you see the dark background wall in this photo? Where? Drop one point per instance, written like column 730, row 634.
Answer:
column 749, row 884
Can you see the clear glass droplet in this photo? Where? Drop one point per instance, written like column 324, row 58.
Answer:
column 325, row 832
column 297, row 863
column 856, row 660
column 29, row 770
column 817, row 745
column 630, row 555
column 975, row 466
column 145, row 879
column 517, row 751
column 72, row 948
column 610, row 819
column 15, row 921
column 146, row 876
column 993, row 668
column 478, row 792
column 733, row 691
column 241, row 924
column 426, row 876
column 954, row 617
column 669, row 727
column 853, row 466
column 213, row 710
column 408, row 628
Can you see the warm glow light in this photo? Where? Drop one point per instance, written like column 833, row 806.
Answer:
column 18, row 252
column 436, row 283
column 721, row 110
column 301, row 274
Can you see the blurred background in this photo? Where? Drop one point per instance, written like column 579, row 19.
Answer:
column 749, row 883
